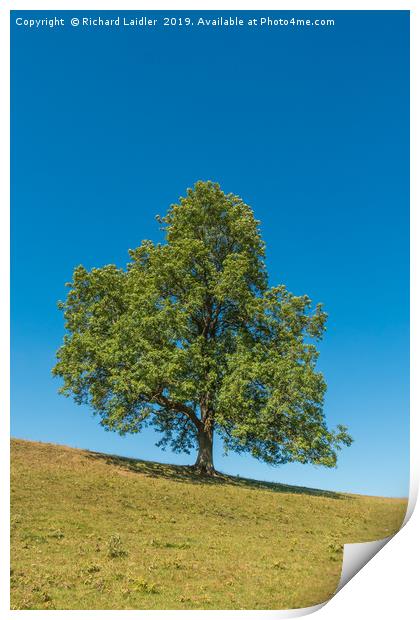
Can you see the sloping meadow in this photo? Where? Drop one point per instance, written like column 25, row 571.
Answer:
column 92, row 531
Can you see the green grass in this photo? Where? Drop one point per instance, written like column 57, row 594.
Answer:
column 92, row 531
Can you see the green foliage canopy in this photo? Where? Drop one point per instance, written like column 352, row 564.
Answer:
column 191, row 339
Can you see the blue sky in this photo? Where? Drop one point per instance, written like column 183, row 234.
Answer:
column 309, row 125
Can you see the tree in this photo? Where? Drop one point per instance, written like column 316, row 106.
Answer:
column 190, row 339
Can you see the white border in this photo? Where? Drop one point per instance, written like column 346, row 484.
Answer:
column 393, row 560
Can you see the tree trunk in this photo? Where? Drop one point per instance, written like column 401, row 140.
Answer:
column 204, row 463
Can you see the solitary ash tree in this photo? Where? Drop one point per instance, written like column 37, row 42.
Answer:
column 190, row 339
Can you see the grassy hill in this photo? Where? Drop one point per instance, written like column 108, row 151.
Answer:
column 93, row 531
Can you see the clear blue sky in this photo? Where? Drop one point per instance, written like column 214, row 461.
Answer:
column 309, row 125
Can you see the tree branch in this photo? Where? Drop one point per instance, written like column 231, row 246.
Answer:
column 178, row 406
